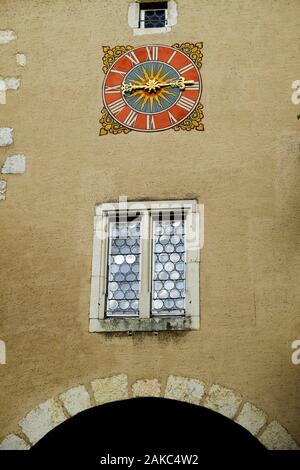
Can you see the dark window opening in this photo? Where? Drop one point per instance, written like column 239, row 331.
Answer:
column 153, row 15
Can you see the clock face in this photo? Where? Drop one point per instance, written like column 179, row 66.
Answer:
column 152, row 88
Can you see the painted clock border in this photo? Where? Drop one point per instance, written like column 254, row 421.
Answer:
column 192, row 121
column 143, row 110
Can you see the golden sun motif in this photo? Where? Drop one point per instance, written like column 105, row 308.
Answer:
column 152, row 93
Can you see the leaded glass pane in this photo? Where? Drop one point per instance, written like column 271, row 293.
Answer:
column 123, row 269
column 168, row 287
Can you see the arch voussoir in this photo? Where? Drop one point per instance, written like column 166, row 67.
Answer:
column 52, row 412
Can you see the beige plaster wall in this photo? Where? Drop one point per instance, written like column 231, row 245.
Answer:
column 244, row 168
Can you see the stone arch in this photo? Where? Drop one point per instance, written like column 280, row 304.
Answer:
column 42, row 419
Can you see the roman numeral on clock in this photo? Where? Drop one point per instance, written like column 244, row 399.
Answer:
column 131, row 118
column 120, row 72
column 117, row 106
column 152, row 53
column 171, row 57
column 194, row 86
column 185, row 103
column 112, row 89
column 133, row 58
column 186, row 68
column 173, row 120
column 150, row 122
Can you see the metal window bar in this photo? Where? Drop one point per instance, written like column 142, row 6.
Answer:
column 153, row 15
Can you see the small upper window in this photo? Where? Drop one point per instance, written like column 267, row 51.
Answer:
column 153, row 15
column 146, row 266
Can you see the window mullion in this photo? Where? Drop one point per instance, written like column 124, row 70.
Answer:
column 145, row 266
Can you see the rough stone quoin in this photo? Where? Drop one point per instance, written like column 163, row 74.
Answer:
column 7, row 36
column 15, row 164
column 3, row 187
column 21, row 59
column 6, row 136
column 184, row 389
column 12, row 83
column 9, row 83
column 2, row 91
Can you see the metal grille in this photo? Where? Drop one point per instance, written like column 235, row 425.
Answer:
column 123, row 269
column 168, row 287
column 153, row 15
column 155, row 19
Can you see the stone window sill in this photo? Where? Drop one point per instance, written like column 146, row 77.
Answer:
column 144, row 324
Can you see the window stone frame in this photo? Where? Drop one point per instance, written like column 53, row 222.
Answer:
column 134, row 18
column 145, row 322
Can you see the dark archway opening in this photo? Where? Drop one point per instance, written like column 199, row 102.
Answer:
column 147, row 426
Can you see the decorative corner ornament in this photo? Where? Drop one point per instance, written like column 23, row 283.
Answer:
column 192, row 50
column 111, row 54
column 152, row 88
column 193, row 121
column 109, row 125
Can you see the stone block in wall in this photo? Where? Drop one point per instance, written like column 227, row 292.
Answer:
column 13, row 442
column 76, row 399
column 21, row 59
column 7, row 35
column 184, row 389
column 110, row 389
column 9, row 83
column 12, row 83
column 223, row 400
column 251, row 418
column 146, row 388
column 6, row 136
column 42, row 419
column 15, row 164
column 276, row 437
column 3, row 187
column 2, row 91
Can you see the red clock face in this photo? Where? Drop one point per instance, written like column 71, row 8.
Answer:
column 152, row 88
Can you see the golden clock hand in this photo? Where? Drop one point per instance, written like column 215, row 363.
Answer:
column 127, row 87
column 153, row 85
column 180, row 83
